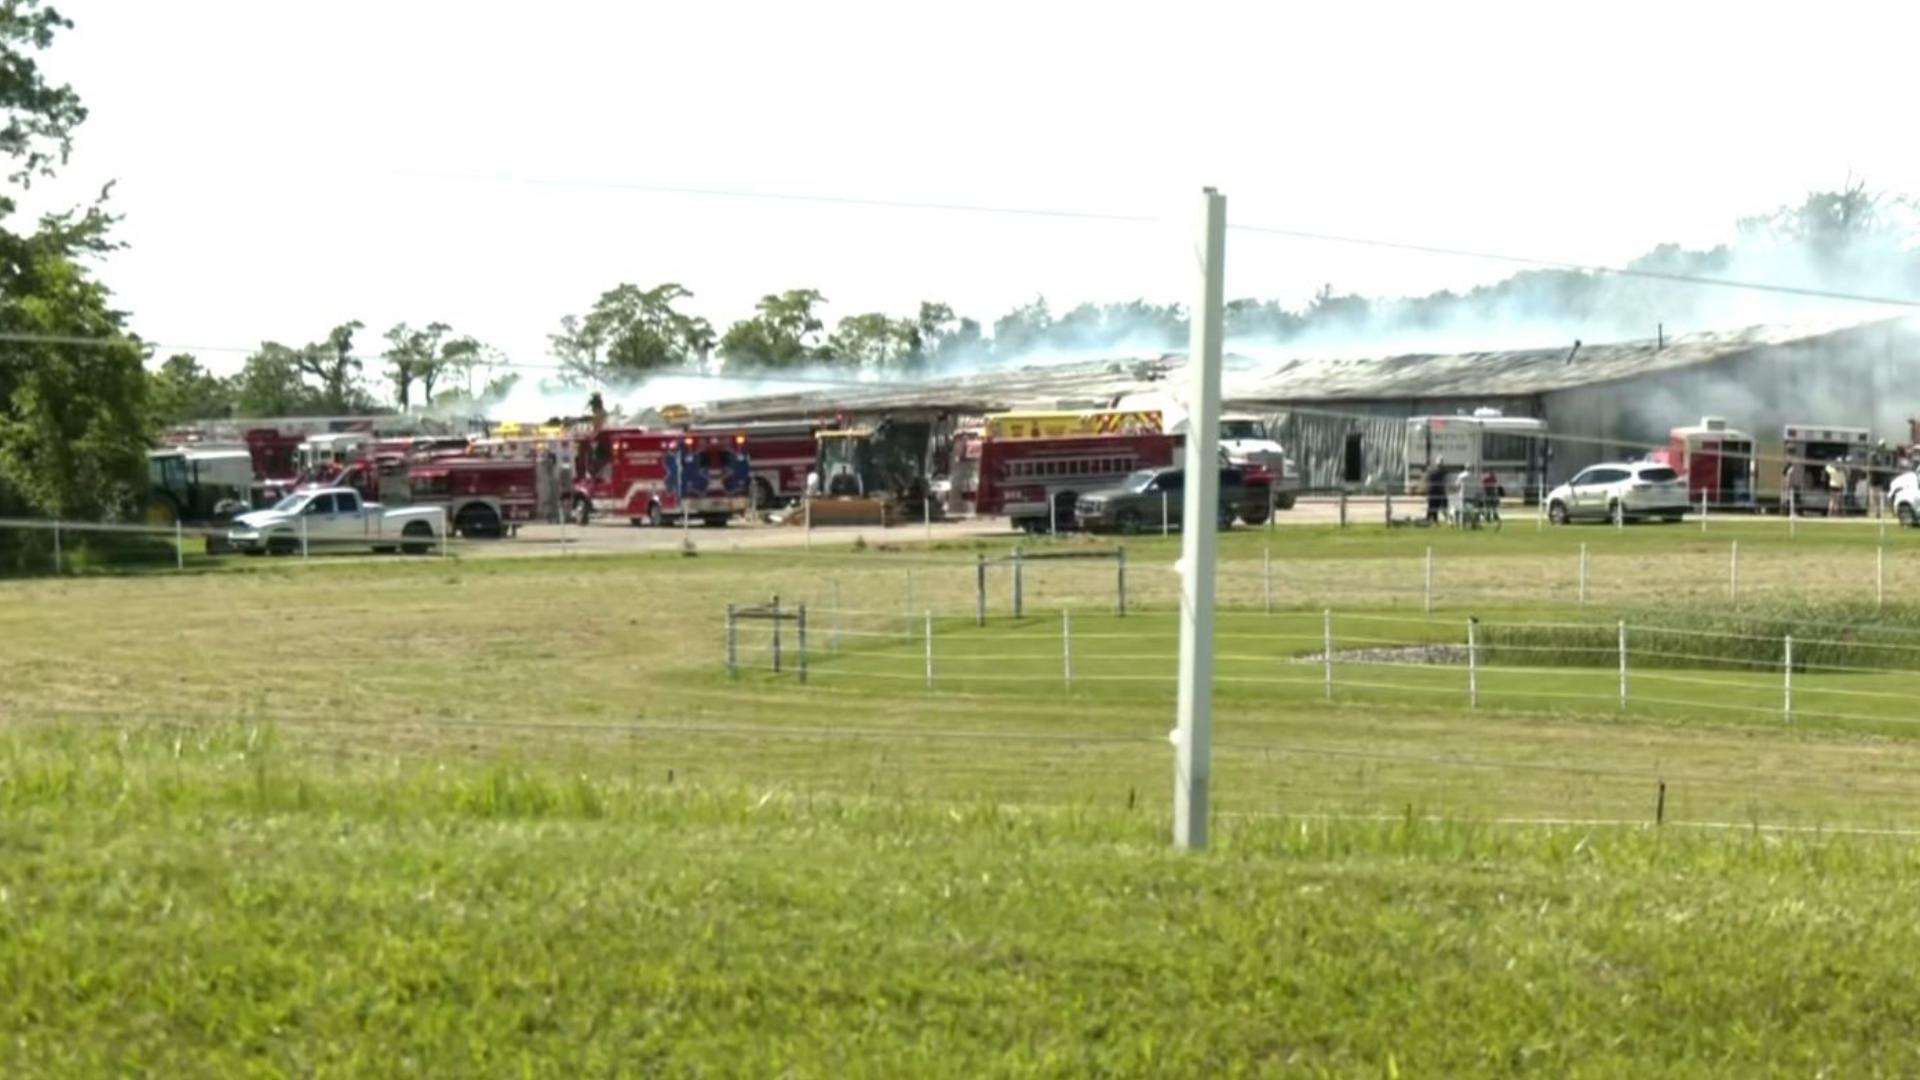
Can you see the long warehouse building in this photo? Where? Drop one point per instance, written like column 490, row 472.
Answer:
column 1600, row 401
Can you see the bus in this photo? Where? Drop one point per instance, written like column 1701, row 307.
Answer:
column 1513, row 448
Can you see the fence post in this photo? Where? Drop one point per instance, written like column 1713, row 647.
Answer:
column 776, row 633
column 800, row 642
column 926, row 517
column 1019, row 585
column 1473, row 664
column 1163, row 514
column 1793, row 513
column 806, row 514
column 56, row 547
column 303, row 535
column 1066, row 646
column 1623, row 665
column 1703, row 510
column 1428, row 603
column 1583, row 571
column 1273, row 509
column 443, row 532
column 979, row 590
column 1787, row 669
column 733, row 644
column 1879, row 577
column 1326, row 647
column 1733, row 572
column 1120, row 582
column 833, row 630
column 1266, row 577
column 1053, row 515
column 179, row 547
column 929, row 637
column 1619, row 516
column 1343, row 506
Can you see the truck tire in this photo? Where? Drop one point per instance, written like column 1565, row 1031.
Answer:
column 654, row 517
column 1254, row 515
column 282, row 544
column 477, row 521
column 763, row 496
column 714, row 521
column 1280, row 502
column 1557, row 512
column 1908, row 517
column 417, row 538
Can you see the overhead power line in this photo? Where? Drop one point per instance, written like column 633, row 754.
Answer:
column 1414, row 247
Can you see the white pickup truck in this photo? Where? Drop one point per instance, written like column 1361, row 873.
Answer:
column 332, row 519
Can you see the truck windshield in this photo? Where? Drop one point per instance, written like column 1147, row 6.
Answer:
column 290, row 504
column 1139, row 481
column 1242, row 429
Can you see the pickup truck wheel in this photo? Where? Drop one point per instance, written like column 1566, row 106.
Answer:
column 1557, row 512
column 714, row 521
column 1254, row 515
column 1129, row 521
column 1908, row 517
column 418, row 538
column 478, row 521
column 282, row 544
column 1280, row 502
column 654, row 517
column 1226, row 518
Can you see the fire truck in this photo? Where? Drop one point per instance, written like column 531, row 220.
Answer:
column 1033, row 467
column 648, row 477
column 485, row 498
column 1512, row 448
column 782, row 453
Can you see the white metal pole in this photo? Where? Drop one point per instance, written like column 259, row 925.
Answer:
column 1473, row 666
column 179, row 547
column 563, row 526
column 1619, row 517
column 1066, row 646
column 1733, row 572
column 1793, row 513
column 1266, row 577
column 929, row 636
column 1623, row 665
column 1193, row 738
column 1053, row 515
column 443, row 532
column 1786, row 669
column 1879, row 577
column 303, row 535
column 1326, row 647
column 1163, row 513
column 926, row 517
column 1583, row 572
column 806, row 515
column 1703, row 510
column 1428, row 602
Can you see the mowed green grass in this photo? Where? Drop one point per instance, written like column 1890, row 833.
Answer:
column 512, row 817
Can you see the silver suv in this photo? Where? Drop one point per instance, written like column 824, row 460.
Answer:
column 1631, row 490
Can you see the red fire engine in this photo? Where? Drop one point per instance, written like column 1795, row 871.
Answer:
column 650, row 476
column 485, row 498
column 1033, row 467
column 782, row 455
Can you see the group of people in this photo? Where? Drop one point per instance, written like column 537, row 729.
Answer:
column 1855, row 482
column 1483, row 499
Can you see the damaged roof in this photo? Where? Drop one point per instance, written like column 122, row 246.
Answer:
column 1503, row 373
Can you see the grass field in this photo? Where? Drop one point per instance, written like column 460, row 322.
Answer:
column 511, row 817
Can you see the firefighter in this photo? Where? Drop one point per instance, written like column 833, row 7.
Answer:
column 1436, row 490
column 1836, row 488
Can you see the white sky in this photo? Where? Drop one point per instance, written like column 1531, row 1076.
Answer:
column 270, row 155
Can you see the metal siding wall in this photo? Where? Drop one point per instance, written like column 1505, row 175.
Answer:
column 1314, row 434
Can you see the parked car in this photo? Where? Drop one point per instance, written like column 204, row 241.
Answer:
column 1138, row 502
column 1632, row 490
column 335, row 518
column 1904, row 494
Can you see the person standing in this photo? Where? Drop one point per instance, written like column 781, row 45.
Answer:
column 1836, row 488
column 1436, row 490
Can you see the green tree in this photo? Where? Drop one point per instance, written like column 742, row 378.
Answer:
column 873, row 340
column 74, row 417
column 333, row 364
column 269, row 384
column 181, row 390
column 784, row 332
column 73, row 434
column 1022, row 330
column 631, row 332
column 946, row 337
